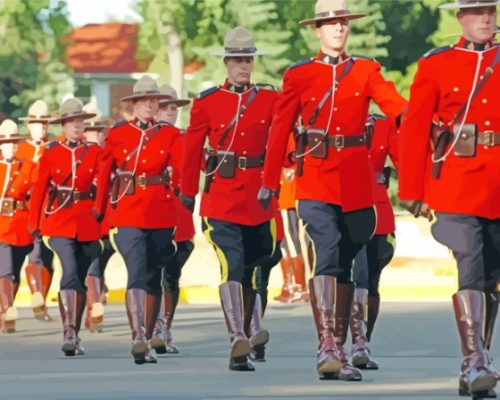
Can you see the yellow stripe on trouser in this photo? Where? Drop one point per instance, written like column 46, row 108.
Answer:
column 254, row 278
column 112, row 233
column 224, row 265
column 313, row 272
column 292, row 251
column 45, row 240
column 391, row 239
column 274, row 233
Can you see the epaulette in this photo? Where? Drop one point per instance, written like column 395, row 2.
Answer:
column 438, row 50
column 300, row 63
column 52, row 144
column 267, row 86
column 358, row 56
column 119, row 123
column 207, row 92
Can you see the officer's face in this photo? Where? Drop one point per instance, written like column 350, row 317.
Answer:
column 145, row 109
column 73, row 129
column 8, row 150
column 478, row 24
column 239, row 69
column 168, row 113
column 333, row 34
column 38, row 130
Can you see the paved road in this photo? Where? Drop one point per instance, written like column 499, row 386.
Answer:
column 415, row 343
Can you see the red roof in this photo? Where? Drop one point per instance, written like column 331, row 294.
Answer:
column 104, row 48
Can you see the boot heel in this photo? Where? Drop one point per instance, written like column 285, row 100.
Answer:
column 328, row 376
column 241, row 364
column 139, row 352
column 483, row 384
column 240, row 348
column 69, row 349
column 38, row 305
column 158, row 345
column 10, row 320
column 261, row 338
column 330, row 366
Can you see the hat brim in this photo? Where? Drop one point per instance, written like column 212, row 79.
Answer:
column 312, row 21
column 65, row 118
column 12, row 139
column 158, row 96
column 455, row 6
column 95, row 127
column 34, row 119
column 178, row 102
column 224, row 53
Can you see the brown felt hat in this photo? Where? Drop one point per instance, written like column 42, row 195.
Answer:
column 146, row 87
column 71, row 108
column 172, row 97
column 38, row 112
column 469, row 4
column 330, row 9
column 8, row 132
column 239, row 42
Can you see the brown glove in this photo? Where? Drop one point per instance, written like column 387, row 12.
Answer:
column 417, row 208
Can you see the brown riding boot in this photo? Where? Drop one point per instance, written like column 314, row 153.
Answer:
column 81, row 300
column 259, row 336
column 322, row 292
column 68, row 311
column 8, row 313
column 343, row 306
column 151, row 312
column 231, row 301
column 162, row 340
column 361, row 357
column 372, row 315
column 135, row 300
column 39, row 278
column 95, row 309
column 476, row 378
column 287, row 289
column 300, row 289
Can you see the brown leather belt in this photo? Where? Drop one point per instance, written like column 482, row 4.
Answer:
column 250, row 162
column 76, row 195
column 488, row 138
column 151, row 180
column 342, row 141
column 10, row 205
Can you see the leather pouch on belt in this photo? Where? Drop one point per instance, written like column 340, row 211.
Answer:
column 467, row 140
column 126, row 184
column 7, row 208
column 62, row 198
column 226, row 160
column 317, row 140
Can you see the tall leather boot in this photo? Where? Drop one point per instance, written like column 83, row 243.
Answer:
column 231, row 301
column 151, row 312
column 361, row 357
column 38, row 278
column 95, row 309
column 81, row 299
column 68, row 310
column 259, row 336
column 170, row 300
column 8, row 313
column 287, row 289
column 299, row 271
column 135, row 300
column 372, row 313
column 476, row 378
column 322, row 291
column 343, row 306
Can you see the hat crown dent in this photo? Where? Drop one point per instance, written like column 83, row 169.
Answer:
column 168, row 90
column 239, row 38
column 323, row 6
column 38, row 109
column 71, row 106
column 8, row 128
column 145, row 84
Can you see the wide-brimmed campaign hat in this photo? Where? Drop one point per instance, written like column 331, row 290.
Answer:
column 8, row 132
column 469, row 4
column 97, row 122
column 172, row 97
column 71, row 108
column 38, row 112
column 329, row 9
column 146, row 87
column 239, row 42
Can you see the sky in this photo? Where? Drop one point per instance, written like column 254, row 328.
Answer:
column 84, row 12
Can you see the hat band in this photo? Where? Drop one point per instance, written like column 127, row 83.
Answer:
column 71, row 114
column 38, row 116
column 244, row 50
column 145, row 92
column 332, row 14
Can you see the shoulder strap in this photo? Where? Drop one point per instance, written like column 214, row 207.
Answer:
column 11, row 182
column 153, row 133
column 78, row 162
column 329, row 92
column 481, row 84
column 231, row 124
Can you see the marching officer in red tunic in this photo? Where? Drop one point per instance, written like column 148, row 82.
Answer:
column 331, row 92
column 236, row 118
column 139, row 154
column 39, row 270
column 162, row 340
column 378, row 252
column 67, row 171
column 94, row 132
column 456, row 90
column 15, row 240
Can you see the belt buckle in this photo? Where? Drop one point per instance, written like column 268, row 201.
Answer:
column 489, row 138
column 6, row 202
column 242, row 163
column 76, row 196
column 339, row 141
column 141, row 180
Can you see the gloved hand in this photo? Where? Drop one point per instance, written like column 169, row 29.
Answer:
column 35, row 232
column 98, row 217
column 265, row 196
column 187, row 201
column 417, row 208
